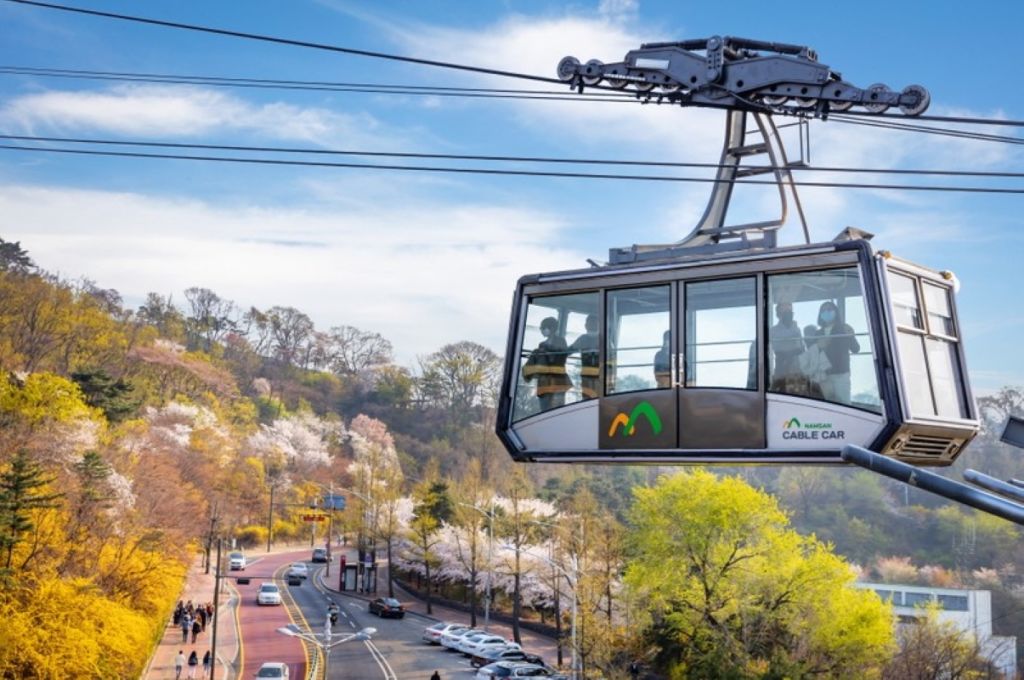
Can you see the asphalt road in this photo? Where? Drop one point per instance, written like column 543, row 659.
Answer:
column 396, row 651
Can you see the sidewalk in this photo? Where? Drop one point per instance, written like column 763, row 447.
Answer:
column 199, row 588
column 534, row 643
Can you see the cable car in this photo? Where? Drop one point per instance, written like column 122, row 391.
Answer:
column 727, row 348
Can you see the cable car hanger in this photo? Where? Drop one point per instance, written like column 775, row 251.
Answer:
column 751, row 79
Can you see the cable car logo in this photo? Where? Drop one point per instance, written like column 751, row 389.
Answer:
column 628, row 423
column 792, row 422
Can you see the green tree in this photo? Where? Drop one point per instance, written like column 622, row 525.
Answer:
column 728, row 590
column 115, row 398
column 23, row 491
column 14, row 258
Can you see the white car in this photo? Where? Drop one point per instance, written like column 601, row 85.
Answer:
column 451, row 638
column 273, row 669
column 472, row 644
column 432, row 634
column 236, row 561
column 484, row 647
column 512, row 669
column 298, row 569
column 269, row 593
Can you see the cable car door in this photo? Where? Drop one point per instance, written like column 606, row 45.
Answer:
column 721, row 402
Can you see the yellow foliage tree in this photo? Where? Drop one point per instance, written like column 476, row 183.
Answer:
column 728, row 590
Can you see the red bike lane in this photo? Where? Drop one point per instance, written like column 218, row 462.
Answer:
column 259, row 640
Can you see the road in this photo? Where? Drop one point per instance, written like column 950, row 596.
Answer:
column 259, row 639
column 396, row 651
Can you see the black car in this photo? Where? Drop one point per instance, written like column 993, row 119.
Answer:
column 319, row 555
column 492, row 655
column 387, row 606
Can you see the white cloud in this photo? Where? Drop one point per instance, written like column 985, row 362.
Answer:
column 421, row 274
column 176, row 111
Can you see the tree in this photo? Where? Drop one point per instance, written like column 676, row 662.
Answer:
column 211, row 318
column 23, row 491
column 290, row 330
column 471, row 500
column 728, row 590
column 518, row 529
column 114, row 397
column 424, row 532
column 14, row 258
column 161, row 313
column 353, row 350
column 931, row 649
column 459, row 377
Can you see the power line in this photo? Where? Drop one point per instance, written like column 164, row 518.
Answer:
column 502, row 172
column 505, row 158
column 417, row 60
column 285, row 41
column 945, row 132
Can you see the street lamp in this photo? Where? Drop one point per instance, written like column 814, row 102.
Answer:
column 573, row 580
column 325, row 641
column 490, row 562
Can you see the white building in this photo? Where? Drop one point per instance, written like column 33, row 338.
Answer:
column 969, row 610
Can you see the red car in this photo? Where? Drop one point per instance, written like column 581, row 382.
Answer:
column 387, row 606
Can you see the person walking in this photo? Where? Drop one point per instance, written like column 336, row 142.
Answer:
column 179, row 663
column 186, row 626
column 193, row 663
column 196, row 629
column 207, row 662
column 435, row 676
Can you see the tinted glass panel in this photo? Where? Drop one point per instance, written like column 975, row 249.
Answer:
column 559, row 362
column 940, row 312
column 915, row 374
column 946, row 379
column 953, row 603
column 819, row 344
column 906, row 307
column 721, row 334
column 639, row 348
column 915, row 599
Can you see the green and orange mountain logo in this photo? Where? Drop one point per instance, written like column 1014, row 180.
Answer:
column 791, row 423
column 627, row 423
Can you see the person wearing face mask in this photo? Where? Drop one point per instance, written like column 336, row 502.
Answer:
column 588, row 345
column 837, row 340
column 786, row 342
column 546, row 366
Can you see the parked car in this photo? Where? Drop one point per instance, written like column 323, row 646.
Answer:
column 512, row 669
column 474, row 643
column 432, row 634
column 268, row 593
column 319, row 555
column 511, row 652
column 298, row 569
column 449, row 639
column 236, row 561
column 387, row 606
column 273, row 669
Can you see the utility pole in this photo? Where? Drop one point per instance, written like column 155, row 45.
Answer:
column 209, row 537
column 216, row 612
column 270, row 517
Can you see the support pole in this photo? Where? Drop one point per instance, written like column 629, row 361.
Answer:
column 216, row 613
column 270, row 518
column 929, row 481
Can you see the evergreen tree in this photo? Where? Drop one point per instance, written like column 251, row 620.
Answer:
column 22, row 492
column 14, row 258
column 114, row 397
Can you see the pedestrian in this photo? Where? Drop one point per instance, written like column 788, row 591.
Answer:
column 435, row 676
column 186, row 626
column 178, row 611
column 196, row 629
column 193, row 663
column 207, row 662
column 634, row 670
column 201, row 611
column 209, row 611
column 179, row 663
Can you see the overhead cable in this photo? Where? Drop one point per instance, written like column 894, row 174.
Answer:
column 493, row 171
column 504, row 158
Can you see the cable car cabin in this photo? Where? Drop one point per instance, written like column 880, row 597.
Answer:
column 780, row 356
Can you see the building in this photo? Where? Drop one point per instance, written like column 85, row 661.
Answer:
column 969, row 610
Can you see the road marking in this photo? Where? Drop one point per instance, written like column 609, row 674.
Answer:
column 298, row 611
column 385, row 667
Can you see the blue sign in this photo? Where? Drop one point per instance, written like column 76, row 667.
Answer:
column 335, row 502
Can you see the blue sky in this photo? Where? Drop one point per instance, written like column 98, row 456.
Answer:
column 427, row 259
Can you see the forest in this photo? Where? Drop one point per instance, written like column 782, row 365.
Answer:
column 132, row 437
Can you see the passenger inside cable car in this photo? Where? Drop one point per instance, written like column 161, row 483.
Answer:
column 588, row 345
column 546, row 366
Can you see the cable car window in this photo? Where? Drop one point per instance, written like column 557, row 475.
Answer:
column 905, row 304
column 721, row 334
column 836, row 360
column 946, row 378
column 940, row 312
column 915, row 373
column 639, row 339
column 559, row 361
